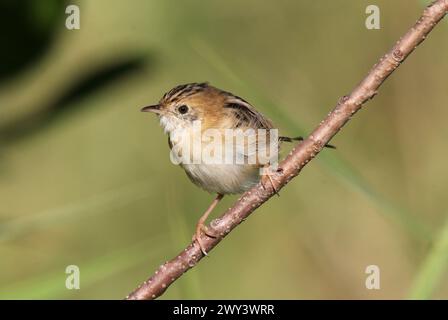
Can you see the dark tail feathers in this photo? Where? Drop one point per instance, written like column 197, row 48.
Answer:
column 289, row 139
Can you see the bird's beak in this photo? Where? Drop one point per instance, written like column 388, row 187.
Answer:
column 154, row 108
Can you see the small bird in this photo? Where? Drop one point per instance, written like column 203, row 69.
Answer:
column 215, row 109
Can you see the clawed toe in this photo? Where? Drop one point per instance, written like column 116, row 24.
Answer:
column 203, row 229
column 271, row 183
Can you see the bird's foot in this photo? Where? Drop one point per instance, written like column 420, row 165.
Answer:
column 201, row 228
column 269, row 178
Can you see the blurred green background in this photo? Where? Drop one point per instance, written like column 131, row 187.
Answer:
column 85, row 178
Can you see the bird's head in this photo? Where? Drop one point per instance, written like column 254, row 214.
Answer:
column 184, row 104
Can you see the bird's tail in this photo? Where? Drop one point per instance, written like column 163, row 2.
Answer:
column 289, row 139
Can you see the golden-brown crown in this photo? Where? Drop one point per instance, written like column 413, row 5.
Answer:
column 213, row 106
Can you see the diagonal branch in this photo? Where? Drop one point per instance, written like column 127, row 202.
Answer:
column 304, row 152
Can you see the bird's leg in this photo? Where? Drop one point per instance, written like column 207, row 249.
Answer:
column 201, row 227
column 267, row 173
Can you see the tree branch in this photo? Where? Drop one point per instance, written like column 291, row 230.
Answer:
column 304, row 152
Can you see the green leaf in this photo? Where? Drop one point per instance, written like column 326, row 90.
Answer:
column 433, row 267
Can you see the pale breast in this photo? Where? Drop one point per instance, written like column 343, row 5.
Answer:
column 217, row 177
column 223, row 178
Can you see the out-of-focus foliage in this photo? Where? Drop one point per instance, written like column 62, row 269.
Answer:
column 27, row 29
column 85, row 178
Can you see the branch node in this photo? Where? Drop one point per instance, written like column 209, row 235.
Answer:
column 398, row 55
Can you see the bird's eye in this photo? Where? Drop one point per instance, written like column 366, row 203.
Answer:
column 183, row 109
